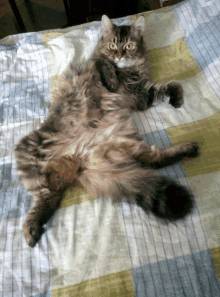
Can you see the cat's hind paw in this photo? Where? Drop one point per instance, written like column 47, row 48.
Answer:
column 192, row 149
column 32, row 231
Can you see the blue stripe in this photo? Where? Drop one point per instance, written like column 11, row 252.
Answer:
column 182, row 276
column 201, row 23
column 46, row 294
column 204, row 42
column 21, row 99
column 25, row 99
column 24, row 93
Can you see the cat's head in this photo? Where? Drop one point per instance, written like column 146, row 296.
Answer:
column 123, row 45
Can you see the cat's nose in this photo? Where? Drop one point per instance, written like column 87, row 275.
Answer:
column 119, row 56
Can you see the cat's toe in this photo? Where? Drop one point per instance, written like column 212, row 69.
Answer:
column 175, row 91
column 32, row 231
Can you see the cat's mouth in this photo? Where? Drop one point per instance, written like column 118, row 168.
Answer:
column 122, row 63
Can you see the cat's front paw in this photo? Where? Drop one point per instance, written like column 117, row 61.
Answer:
column 112, row 85
column 175, row 91
column 32, row 231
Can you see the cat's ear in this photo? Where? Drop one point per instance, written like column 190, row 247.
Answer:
column 107, row 26
column 139, row 25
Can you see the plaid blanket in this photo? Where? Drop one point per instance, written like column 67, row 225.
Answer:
column 91, row 247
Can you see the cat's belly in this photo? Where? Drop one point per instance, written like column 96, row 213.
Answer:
column 86, row 141
column 105, row 124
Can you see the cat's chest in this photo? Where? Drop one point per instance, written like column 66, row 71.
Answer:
column 130, row 74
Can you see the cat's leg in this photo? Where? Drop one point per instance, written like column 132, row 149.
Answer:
column 175, row 92
column 45, row 204
column 63, row 172
column 107, row 74
column 162, row 157
column 30, row 154
column 149, row 92
column 152, row 156
column 59, row 175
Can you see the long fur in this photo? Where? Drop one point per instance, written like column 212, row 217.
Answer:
column 89, row 140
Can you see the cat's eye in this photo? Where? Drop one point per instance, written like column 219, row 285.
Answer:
column 129, row 46
column 112, row 46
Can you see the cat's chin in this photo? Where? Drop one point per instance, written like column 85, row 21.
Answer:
column 123, row 63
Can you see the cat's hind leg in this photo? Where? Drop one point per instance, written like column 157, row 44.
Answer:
column 152, row 156
column 30, row 155
column 160, row 158
column 59, row 174
column 46, row 203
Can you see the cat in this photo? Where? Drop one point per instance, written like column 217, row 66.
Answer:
column 88, row 138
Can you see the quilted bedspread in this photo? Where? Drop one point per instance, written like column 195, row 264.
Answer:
column 92, row 247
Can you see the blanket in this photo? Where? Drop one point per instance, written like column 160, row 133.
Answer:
column 92, row 247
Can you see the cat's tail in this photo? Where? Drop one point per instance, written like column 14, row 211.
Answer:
column 170, row 200
column 166, row 198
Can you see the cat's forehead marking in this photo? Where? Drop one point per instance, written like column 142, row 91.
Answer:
column 122, row 33
column 114, row 39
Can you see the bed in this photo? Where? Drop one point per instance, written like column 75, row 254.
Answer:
column 92, row 247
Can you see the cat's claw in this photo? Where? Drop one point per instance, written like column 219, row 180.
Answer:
column 32, row 231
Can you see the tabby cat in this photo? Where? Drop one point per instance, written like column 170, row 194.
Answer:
column 88, row 138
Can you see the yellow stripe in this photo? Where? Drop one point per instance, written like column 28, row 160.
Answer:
column 207, row 134
column 54, row 81
column 216, row 259
column 115, row 284
column 174, row 61
column 49, row 36
column 76, row 196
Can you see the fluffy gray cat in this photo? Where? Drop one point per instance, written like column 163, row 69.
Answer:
column 88, row 138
